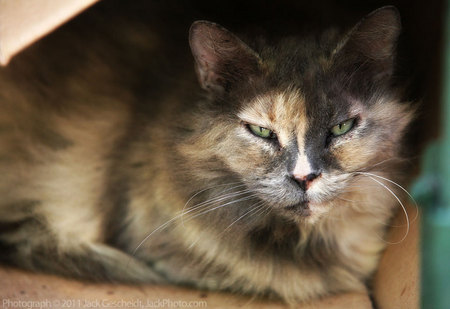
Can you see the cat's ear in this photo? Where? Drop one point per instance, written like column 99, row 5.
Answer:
column 221, row 58
column 370, row 45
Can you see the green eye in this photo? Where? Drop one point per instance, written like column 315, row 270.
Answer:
column 343, row 127
column 261, row 132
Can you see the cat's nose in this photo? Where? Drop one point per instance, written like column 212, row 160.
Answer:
column 305, row 181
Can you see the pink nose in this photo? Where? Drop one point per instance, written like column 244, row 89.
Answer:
column 305, row 181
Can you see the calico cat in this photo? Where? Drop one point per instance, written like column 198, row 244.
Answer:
column 271, row 178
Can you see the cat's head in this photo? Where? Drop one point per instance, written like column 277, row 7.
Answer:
column 296, row 121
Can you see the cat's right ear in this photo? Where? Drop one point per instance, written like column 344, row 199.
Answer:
column 221, row 58
column 369, row 48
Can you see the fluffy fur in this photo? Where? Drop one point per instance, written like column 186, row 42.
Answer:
column 171, row 186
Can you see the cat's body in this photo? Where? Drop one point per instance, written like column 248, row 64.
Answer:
column 94, row 179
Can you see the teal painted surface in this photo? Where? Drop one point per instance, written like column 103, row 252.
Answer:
column 432, row 191
column 445, row 158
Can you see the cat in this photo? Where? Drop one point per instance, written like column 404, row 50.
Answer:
column 270, row 175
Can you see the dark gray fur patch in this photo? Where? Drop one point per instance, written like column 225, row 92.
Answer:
column 25, row 231
column 291, row 155
column 52, row 139
column 5, row 129
column 324, row 109
column 278, row 237
column 25, row 206
column 137, row 165
column 8, row 252
column 115, row 225
column 12, row 226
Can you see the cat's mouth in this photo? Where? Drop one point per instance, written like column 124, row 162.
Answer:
column 300, row 209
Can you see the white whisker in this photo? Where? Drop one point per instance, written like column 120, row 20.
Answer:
column 180, row 215
column 365, row 202
column 210, row 188
column 379, row 163
column 404, row 190
column 347, row 200
column 255, row 207
column 400, row 202
column 229, row 226
column 222, row 205
column 215, row 200
column 221, row 198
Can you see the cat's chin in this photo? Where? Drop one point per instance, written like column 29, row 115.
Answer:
column 306, row 212
column 301, row 209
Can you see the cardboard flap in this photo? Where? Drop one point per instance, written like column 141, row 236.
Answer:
column 23, row 22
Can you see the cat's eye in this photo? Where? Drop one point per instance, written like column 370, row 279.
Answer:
column 261, row 132
column 343, row 127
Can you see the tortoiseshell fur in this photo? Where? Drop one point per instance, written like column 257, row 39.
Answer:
column 105, row 176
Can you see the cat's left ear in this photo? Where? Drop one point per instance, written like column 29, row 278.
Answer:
column 370, row 45
column 221, row 58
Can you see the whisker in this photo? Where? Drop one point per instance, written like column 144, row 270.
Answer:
column 221, row 198
column 212, row 201
column 222, row 205
column 380, row 162
column 401, row 204
column 162, row 226
column 242, row 216
column 210, row 188
column 347, row 200
column 404, row 190
column 358, row 187
column 180, row 215
column 379, row 221
column 255, row 208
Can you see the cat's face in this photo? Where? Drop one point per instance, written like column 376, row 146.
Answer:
column 298, row 160
column 298, row 134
